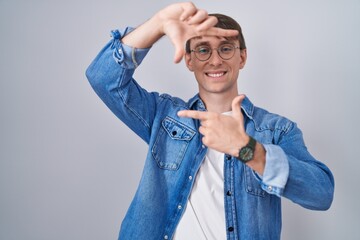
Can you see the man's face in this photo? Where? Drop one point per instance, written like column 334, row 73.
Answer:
column 215, row 75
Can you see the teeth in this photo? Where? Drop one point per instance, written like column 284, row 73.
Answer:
column 215, row 74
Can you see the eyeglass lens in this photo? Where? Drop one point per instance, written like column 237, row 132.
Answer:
column 225, row 51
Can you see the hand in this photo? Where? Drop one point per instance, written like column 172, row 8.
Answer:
column 222, row 132
column 183, row 21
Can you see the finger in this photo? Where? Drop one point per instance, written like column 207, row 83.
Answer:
column 236, row 106
column 199, row 17
column 179, row 52
column 207, row 142
column 189, row 9
column 204, row 123
column 214, row 31
column 193, row 114
column 202, row 130
column 204, row 141
column 206, row 23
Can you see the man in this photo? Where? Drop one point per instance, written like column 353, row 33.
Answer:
column 217, row 165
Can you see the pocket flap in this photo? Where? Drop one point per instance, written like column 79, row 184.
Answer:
column 177, row 130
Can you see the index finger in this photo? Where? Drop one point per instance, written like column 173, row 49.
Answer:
column 193, row 114
column 215, row 31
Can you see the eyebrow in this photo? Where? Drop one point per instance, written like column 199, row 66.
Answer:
column 208, row 43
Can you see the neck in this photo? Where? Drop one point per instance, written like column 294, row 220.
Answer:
column 218, row 103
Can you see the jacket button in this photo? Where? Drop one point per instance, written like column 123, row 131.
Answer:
column 230, row 229
column 228, row 193
column 228, row 157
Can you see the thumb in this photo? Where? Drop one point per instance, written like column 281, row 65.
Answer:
column 179, row 51
column 236, row 106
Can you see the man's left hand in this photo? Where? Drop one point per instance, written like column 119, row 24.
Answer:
column 224, row 133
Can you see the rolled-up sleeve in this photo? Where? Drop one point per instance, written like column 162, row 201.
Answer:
column 127, row 56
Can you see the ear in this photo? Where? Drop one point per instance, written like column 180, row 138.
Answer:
column 188, row 61
column 243, row 57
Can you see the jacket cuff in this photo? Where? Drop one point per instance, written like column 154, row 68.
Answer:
column 127, row 56
column 276, row 171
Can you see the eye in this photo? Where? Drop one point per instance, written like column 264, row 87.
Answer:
column 203, row 50
column 226, row 48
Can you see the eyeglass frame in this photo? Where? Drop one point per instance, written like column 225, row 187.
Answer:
column 217, row 49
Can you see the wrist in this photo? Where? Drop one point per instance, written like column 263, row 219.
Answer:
column 258, row 162
column 247, row 152
column 234, row 151
column 145, row 35
column 157, row 25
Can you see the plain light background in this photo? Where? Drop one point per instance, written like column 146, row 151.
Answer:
column 69, row 167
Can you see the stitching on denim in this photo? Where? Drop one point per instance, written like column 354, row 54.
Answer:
column 252, row 186
column 170, row 119
column 233, row 201
column 127, row 106
column 284, row 128
column 182, row 145
column 175, row 103
column 133, row 58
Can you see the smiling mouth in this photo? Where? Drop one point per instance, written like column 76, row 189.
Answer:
column 215, row 75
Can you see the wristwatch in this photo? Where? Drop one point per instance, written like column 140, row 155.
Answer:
column 246, row 153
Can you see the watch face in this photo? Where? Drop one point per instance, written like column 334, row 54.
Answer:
column 246, row 154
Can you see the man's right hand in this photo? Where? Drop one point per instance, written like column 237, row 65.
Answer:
column 183, row 21
column 180, row 22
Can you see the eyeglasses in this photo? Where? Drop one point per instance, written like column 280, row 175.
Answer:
column 225, row 51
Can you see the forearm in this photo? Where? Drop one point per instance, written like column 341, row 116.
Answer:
column 310, row 184
column 288, row 169
column 146, row 34
column 302, row 179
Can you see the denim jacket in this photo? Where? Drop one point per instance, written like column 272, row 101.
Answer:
column 252, row 206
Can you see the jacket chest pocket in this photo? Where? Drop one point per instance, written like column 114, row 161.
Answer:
column 171, row 143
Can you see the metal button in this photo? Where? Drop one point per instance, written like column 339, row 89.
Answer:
column 230, row 229
column 166, row 237
column 190, row 177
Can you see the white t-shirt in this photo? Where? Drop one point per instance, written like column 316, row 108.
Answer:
column 204, row 216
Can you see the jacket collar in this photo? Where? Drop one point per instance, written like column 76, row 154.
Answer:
column 196, row 103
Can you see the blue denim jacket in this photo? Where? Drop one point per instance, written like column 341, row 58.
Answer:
column 252, row 205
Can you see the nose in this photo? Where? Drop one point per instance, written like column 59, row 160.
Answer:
column 215, row 58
